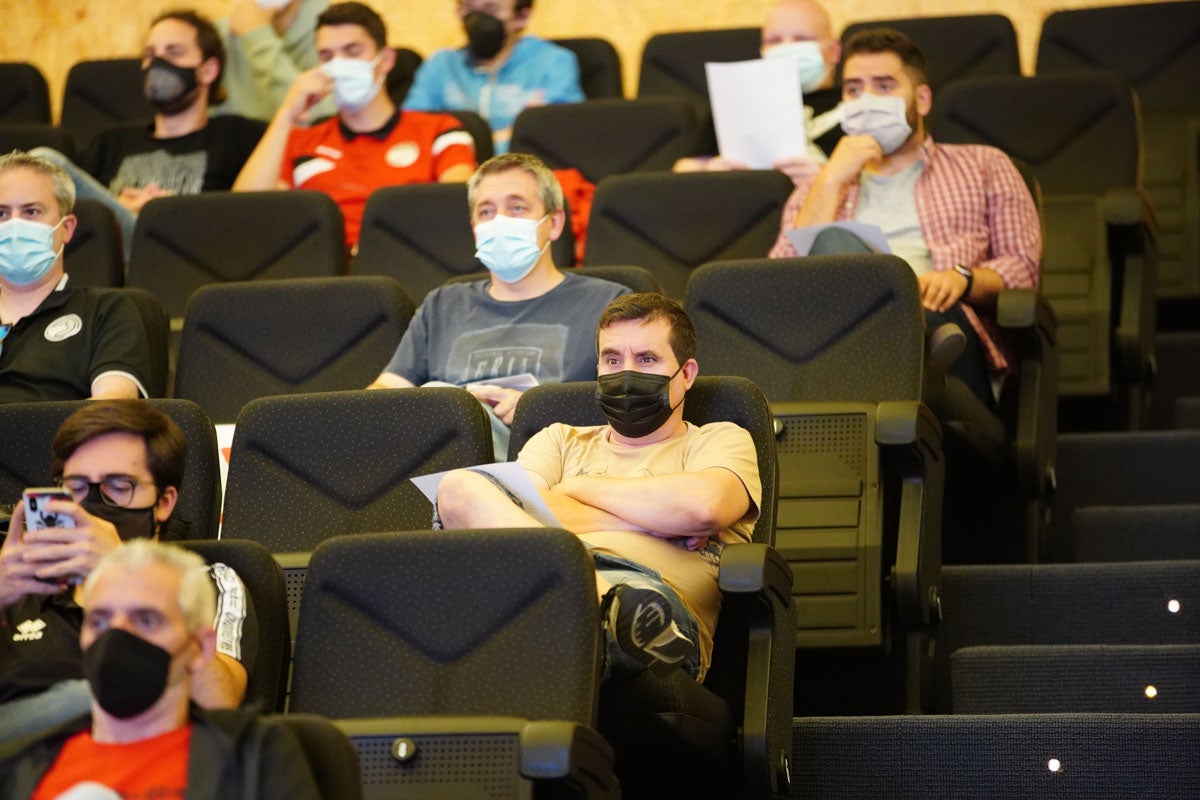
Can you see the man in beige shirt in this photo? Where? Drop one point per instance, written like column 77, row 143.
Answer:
column 654, row 498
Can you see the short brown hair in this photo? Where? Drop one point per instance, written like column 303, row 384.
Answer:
column 886, row 40
column 647, row 307
column 166, row 447
column 64, row 187
column 358, row 14
column 209, row 42
column 549, row 189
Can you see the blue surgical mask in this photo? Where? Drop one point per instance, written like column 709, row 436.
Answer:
column 508, row 246
column 882, row 117
column 809, row 60
column 27, row 250
column 354, row 81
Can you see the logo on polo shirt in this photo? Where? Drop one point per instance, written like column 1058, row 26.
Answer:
column 402, row 155
column 63, row 328
column 29, row 631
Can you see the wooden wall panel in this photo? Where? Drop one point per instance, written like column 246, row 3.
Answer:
column 54, row 35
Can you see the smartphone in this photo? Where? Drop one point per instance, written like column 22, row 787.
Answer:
column 37, row 516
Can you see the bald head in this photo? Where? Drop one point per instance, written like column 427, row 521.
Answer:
column 791, row 21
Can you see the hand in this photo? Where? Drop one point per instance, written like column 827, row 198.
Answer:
column 849, row 157
column 798, row 167
column 134, row 198
column 723, row 164
column 17, row 577
column 61, row 553
column 503, row 401
column 307, row 90
column 941, row 290
column 696, row 542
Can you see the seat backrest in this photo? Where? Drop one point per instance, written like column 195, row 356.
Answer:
column 1012, row 757
column 486, row 622
column 158, row 336
column 268, row 665
column 955, row 46
column 711, row 399
column 668, row 223
column 480, row 130
column 94, row 256
column 246, row 340
column 1162, row 61
column 28, row 428
column 599, row 66
column 1055, row 679
column 673, row 63
column 610, row 136
column 1079, row 132
column 24, row 95
column 1148, row 602
column 330, row 753
column 814, row 329
column 102, row 94
column 185, row 242
column 28, row 135
column 310, row 466
column 421, row 235
column 399, row 80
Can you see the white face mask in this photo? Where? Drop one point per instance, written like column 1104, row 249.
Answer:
column 354, row 81
column 508, row 247
column 272, row 5
column 27, row 250
column 883, row 118
column 810, row 62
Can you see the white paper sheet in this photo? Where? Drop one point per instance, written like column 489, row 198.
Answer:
column 872, row 236
column 758, row 111
column 513, row 476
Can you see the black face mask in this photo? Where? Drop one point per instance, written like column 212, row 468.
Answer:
column 485, row 34
column 167, row 87
column 635, row 403
column 127, row 674
column 131, row 523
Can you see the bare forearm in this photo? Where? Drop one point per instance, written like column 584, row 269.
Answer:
column 578, row 517
column 222, row 684
column 985, row 287
column 679, row 504
column 821, row 205
column 261, row 171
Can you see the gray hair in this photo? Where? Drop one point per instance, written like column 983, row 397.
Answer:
column 64, row 187
column 197, row 597
column 549, row 190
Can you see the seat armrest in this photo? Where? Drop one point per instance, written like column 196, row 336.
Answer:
column 913, row 443
column 1132, row 245
column 558, row 749
column 754, row 568
column 758, row 580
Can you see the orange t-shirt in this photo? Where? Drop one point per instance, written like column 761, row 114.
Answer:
column 150, row 769
column 413, row 147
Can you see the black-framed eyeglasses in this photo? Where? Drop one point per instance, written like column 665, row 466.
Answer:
column 115, row 490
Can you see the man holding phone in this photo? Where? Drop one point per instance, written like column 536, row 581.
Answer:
column 122, row 463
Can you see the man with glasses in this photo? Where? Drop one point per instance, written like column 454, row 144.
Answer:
column 123, row 463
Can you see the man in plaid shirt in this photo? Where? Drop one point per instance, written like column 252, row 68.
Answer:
column 961, row 215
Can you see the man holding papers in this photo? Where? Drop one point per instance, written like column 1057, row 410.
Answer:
column 959, row 214
column 761, row 100
column 527, row 317
column 654, row 498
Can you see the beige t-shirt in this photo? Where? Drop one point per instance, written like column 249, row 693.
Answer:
column 561, row 451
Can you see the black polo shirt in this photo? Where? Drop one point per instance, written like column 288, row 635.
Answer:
column 76, row 335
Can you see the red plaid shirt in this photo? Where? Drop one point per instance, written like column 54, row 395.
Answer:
column 975, row 210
